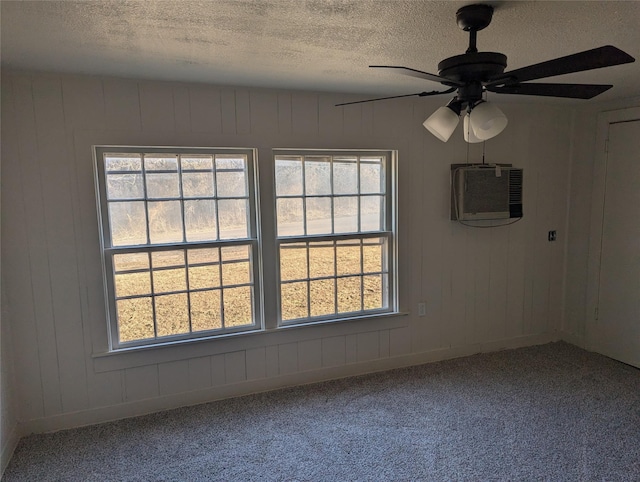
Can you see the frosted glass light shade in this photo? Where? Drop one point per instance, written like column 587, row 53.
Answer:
column 442, row 123
column 469, row 136
column 487, row 121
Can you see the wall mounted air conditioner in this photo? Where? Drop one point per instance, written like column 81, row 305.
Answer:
column 485, row 191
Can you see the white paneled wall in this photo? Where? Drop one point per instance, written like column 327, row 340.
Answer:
column 484, row 288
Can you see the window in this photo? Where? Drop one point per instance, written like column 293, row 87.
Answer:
column 179, row 241
column 335, row 235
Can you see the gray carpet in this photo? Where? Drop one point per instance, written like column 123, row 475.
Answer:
column 551, row 412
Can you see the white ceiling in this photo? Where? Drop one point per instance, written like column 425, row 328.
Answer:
column 322, row 45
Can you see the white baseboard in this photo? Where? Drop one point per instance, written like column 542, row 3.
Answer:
column 9, row 445
column 143, row 407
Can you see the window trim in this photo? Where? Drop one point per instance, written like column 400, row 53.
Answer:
column 390, row 233
column 252, row 241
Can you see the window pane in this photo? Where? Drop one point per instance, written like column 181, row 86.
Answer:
column 319, row 215
column 129, row 261
column 165, row 221
column 345, row 211
column 321, row 260
column 232, row 216
column 237, row 306
column 123, row 162
column 128, row 223
column 197, row 184
column 372, row 255
column 236, row 268
column 322, row 297
column 162, row 185
column 294, row 300
column 172, row 314
column 200, row 220
column 348, row 257
column 317, row 173
column 166, row 280
column 131, row 284
column 207, row 273
column 160, row 162
column 125, row 186
column 345, row 177
column 193, row 162
column 290, row 219
column 288, row 176
column 371, row 178
column 207, row 276
column 231, row 178
column 293, row 261
column 236, row 273
column 135, row 319
column 205, row 310
column 349, row 295
column 371, row 212
column 372, row 290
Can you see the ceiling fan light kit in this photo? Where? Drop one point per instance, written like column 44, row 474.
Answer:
column 487, row 121
column 469, row 136
column 444, row 121
column 474, row 73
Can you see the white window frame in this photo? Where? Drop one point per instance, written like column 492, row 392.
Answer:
column 388, row 233
column 108, row 251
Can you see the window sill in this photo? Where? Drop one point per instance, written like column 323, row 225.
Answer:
column 185, row 349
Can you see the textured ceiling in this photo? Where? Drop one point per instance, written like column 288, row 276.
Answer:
column 322, row 45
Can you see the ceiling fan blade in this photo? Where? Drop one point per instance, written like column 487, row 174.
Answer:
column 420, row 74
column 419, row 94
column 606, row 56
column 573, row 91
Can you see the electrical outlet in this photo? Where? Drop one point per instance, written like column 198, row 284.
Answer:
column 422, row 309
column 552, row 235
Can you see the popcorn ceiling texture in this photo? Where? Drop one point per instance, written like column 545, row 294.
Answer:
column 323, row 45
column 551, row 412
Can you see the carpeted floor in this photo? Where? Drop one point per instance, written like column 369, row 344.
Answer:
column 551, row 412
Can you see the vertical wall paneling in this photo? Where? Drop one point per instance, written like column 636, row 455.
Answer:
column 331, row 118
column 287, row 358
column 333, row 351
column 272, row 360
column 498, row 282
column 218, row 371
column 121, row 104
column 206, row 111
column 351, row 120
column 173, row 377
column 264, row 109
column 199, row 373
column 351, row 348
column 228, row 111
column 368, row 346
column 156, row 106
column 256, row 363
column 16, row 266
column 105, row 389
column 243, row 112
column 399, row 341
column 235, row 366
column 383, row 343
column 284, row 114
column 304, row 113
column 141, row 383
column 309, row 355
column 182, row 107
column 59, row 225
column 38, row 247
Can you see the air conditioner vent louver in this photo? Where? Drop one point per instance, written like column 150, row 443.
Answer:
column 515, row 186
column 486, row 191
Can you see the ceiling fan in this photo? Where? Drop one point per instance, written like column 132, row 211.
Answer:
column 473, row 73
